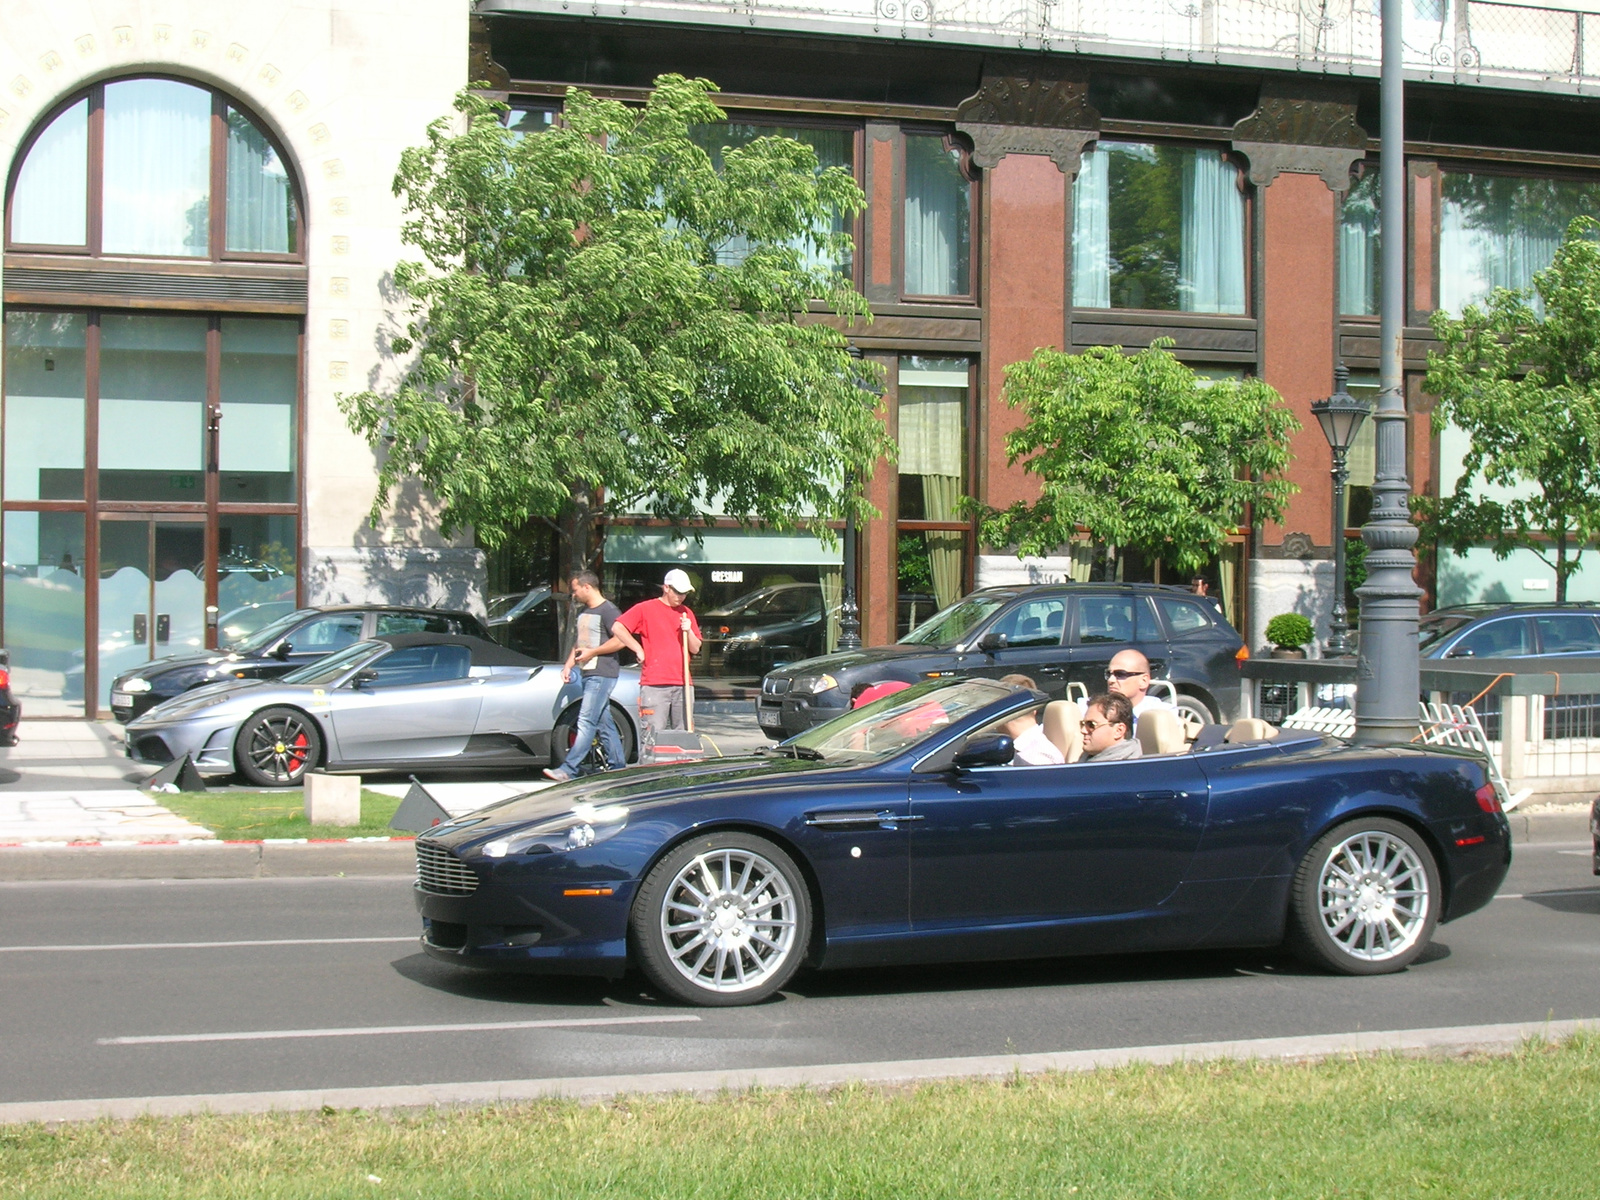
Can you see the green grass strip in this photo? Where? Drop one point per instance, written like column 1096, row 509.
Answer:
column 250, row 816
column 1524, row 1125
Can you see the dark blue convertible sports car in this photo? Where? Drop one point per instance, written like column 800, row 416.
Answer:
column 901, row 832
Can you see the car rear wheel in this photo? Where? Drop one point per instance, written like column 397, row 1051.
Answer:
column 1192, row 708
column 722, row 920
column 566, row 732
column 1365, row 900
column 276, row 747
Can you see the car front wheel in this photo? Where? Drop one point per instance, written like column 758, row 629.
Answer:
column 276, row 747
column 722, row 920
column 1365, row 899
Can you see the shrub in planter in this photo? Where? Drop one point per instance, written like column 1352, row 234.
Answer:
column 1289, row 631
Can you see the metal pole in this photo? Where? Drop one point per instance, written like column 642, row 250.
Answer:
column 1388, row 676
column 849, row 610
column 1338, row 645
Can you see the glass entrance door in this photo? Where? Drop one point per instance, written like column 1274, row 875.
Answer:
column 152, row 591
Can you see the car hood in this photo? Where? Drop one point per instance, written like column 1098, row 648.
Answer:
column 177, row 662
column 196, row 699
column 844, row 660
column 640, row 789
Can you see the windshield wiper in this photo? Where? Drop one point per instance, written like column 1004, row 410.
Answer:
column 805, row 752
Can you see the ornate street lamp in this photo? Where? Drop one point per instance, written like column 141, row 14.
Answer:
column 1341, row 416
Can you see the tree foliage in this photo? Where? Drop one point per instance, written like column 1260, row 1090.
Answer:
column 601, row 319
column 1523, row 382
column 1137, row 450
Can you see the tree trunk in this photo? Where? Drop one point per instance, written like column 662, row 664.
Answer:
column 1562, row 569
column 578, row 528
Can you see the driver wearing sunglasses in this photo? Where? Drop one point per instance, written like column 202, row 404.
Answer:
column 1108, row 730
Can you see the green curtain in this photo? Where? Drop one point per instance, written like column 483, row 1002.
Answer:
column 831, row 580
column 1227, row 576
column 941, row 494
column 1082, row 562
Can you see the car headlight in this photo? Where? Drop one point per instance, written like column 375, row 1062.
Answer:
column 814, row 684
column 584, row 826
column 745, row 637
column 135, row 685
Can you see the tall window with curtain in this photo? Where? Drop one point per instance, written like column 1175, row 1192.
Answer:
column 1159, row 227
column 1360, row 246
column 1496, row 231
column 834, row 147
column 934, row 398
column 147, row 148
column 937, row 218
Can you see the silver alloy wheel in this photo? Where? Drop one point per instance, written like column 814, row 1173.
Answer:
column 280, row 747
column 728, row 920
column 1373, row 896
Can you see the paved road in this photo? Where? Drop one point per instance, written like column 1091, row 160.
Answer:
column 141, row 1020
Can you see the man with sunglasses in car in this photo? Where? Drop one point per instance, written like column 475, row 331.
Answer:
column 1128, row 676
column 1108, row 730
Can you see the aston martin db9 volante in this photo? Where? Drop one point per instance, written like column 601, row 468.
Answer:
column 903, row 832
column 392, row 703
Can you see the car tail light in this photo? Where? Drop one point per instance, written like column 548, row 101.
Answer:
column 1488, row 799
column 1242, row 656
column 5, row 678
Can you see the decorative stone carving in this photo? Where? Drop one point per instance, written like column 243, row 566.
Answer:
column 1030, row 106
column 1298, row 545
column 1304, row 127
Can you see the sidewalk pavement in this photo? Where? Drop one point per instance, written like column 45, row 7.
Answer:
column 68, row 782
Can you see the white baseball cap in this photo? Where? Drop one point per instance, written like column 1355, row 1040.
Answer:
column 678, row 581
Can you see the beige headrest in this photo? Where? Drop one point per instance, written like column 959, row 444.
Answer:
column 1251, row 729
column 1161, row 732
column 1061, row 718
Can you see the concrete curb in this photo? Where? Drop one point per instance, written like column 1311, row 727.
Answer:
column 1492, row 1039
column 207, row 860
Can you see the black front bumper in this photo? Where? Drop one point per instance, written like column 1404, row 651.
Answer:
column 527, row 925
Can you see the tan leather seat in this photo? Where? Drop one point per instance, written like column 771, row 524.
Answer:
column 1061, row 726
column 1251, row 729
column 1161, row 732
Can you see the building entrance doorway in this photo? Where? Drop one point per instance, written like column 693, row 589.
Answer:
column 152, row 600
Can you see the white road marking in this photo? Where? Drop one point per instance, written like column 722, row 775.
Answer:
column 352, row 941
column 1589, row 891
column 270, row 1035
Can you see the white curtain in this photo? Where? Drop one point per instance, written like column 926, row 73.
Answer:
column 937, row 241
column 261, row 216
column 1091, row 232
column 1475, row 261
column 1211, row 257
column 931, row 441
column 50, row 204
column 157, row 168
column 1358, row 254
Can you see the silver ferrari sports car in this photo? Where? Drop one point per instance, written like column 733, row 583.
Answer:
column 394, row 703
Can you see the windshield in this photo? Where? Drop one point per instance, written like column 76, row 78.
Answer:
column 326, row 670
column 751, row 602
column 886, row 727
column 949, row 625
column 1433, row 630
column 267, row 634
column 499, row 606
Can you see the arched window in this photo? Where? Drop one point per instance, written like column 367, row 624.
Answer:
column 154, row 167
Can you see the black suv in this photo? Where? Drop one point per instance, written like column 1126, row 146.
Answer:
column 1057, row 634
column 292, row 641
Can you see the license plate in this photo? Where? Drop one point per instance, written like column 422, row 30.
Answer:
column 122, row 698
column 770, row 720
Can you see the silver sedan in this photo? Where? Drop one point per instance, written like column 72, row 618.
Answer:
column 406, row 702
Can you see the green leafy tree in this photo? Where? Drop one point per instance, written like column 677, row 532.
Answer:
column 601, row 319
column 1138, row 451
column 1522, row 381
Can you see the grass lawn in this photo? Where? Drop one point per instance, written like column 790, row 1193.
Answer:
column 1525, row 1125
column 249, row 816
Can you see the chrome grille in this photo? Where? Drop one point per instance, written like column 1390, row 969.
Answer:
column 774, row 687
column 442, row 873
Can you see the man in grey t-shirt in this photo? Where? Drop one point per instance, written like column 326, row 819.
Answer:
column 597, row 623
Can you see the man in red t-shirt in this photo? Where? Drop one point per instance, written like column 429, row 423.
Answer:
column 663, row 627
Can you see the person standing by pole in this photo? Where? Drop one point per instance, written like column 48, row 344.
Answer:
column 596, row 623
column 669, row 635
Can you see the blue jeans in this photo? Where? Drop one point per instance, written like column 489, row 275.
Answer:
column 595, row 713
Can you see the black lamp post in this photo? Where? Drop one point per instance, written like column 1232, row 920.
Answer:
column 1341, row 416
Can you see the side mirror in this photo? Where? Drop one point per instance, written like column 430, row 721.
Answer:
column 992, row 642
column 281, row 651
column 364, row 676
column 985, row 752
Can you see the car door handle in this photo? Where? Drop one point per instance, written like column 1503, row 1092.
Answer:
column 854, row 818
column 1052, row 672
column 1161, row 795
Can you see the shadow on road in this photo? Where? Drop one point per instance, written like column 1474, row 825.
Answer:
column 1569, row 900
